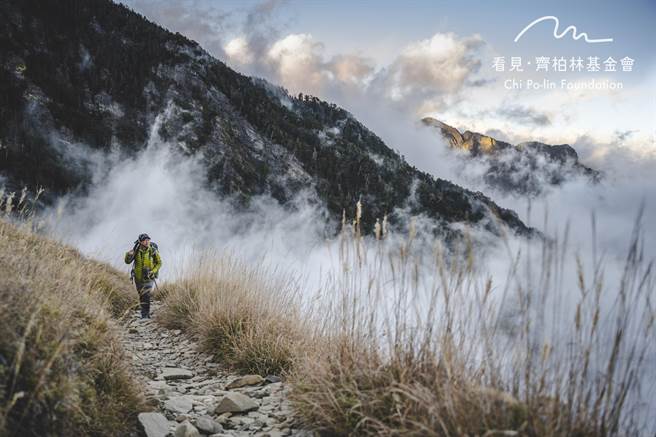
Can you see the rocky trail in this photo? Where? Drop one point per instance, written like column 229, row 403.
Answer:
column 192, row 395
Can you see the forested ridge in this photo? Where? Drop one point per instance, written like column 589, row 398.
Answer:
column 96, row 73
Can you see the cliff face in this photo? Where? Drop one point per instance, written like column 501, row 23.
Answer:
column 83, row 77
column 524, row 168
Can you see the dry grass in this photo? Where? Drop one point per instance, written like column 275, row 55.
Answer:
column 62, row 368
column 248, row 317
column 400, row 343
column 411, row 347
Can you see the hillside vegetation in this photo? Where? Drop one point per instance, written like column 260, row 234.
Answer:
column 62, row 369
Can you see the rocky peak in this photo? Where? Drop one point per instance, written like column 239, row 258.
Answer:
column 451, row 134
column 473, row 142
column 479, row 144
column 523, row 168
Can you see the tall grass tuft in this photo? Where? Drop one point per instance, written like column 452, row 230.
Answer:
column 248, row 317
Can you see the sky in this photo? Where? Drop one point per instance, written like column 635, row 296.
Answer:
column 437, row 58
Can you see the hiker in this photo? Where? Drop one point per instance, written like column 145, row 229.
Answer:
column 147, row 263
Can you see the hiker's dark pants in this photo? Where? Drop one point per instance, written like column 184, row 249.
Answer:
column 144, row 289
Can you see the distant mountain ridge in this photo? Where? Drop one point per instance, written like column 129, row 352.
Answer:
column 523, row 168
column 92, row 76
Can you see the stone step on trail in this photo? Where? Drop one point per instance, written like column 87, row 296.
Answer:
column 207, row 425
column 236, row 403
column 172, row 373
column 153, row 424
column 179, row 404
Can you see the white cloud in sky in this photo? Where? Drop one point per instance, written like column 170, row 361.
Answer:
column 439, row 64
column 297, row 61
column 238, row 51
column 351, row 69
column 424, row 75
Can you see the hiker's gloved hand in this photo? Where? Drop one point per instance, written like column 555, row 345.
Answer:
column 152, row 275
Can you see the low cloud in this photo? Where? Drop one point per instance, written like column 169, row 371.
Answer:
column 175, row 207
column 261, row 14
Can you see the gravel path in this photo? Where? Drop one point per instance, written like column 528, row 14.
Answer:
column 192, row 395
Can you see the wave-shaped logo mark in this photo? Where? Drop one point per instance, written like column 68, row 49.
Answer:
column 575, row 36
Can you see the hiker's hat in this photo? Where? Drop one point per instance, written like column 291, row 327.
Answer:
column 143, row 237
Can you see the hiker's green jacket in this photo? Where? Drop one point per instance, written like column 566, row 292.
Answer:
column 148, row 258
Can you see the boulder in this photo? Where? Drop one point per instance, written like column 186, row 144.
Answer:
column 186, row 429
column 153, row 424
column 243, row 381
column 207, row 425
column 179, row 404
column 235, row 403
column 172, row 373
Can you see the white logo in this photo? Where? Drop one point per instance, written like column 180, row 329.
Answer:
column 556, row 35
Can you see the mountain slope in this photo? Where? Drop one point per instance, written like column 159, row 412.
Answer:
column 63, row 370
column 85, row 76
column 524, row 168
